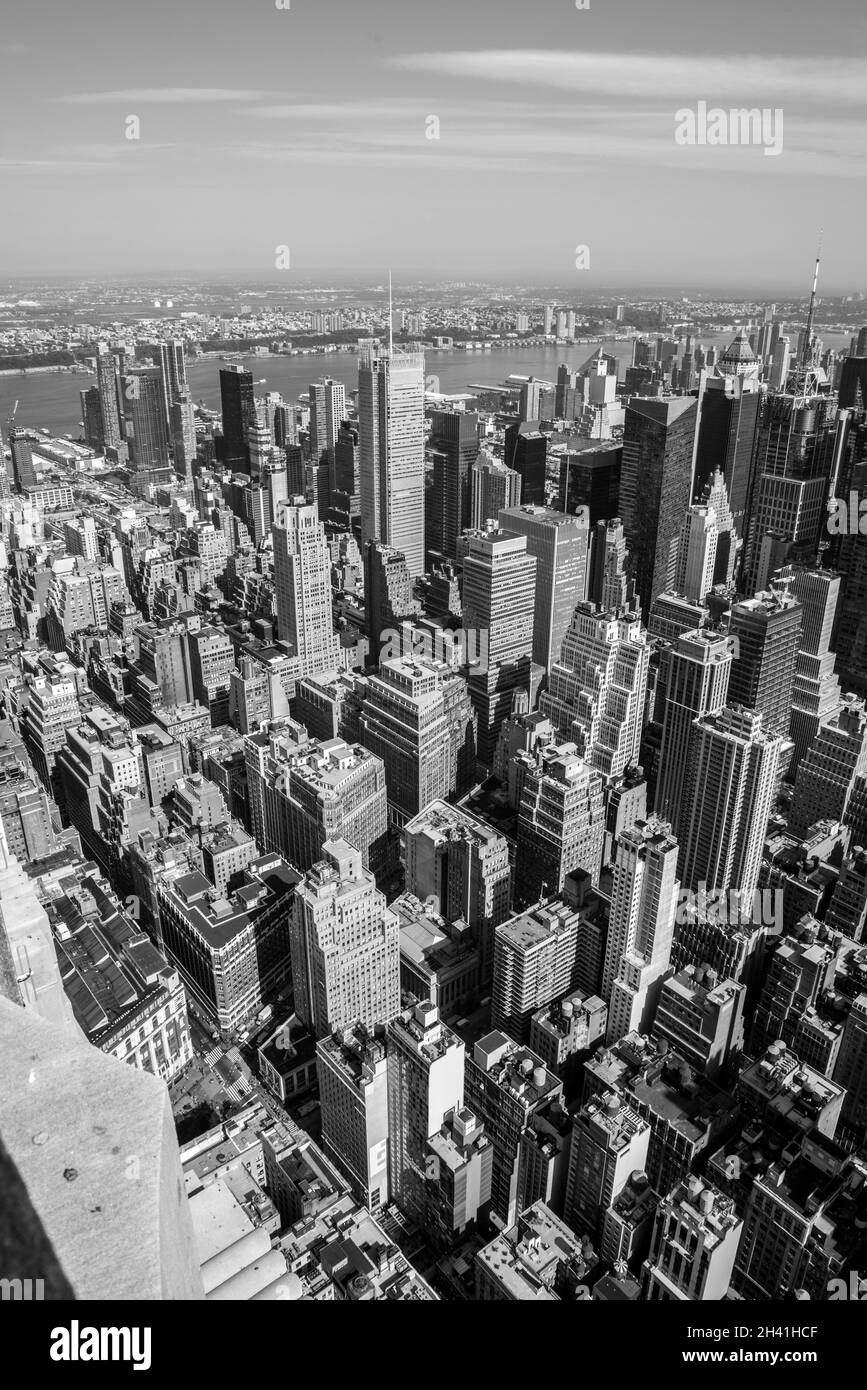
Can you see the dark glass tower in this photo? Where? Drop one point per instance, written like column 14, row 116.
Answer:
column 527, row 453
column 655, row 484
column 454, row 442
column 239, row 413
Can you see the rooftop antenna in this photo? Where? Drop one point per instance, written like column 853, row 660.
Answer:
column 390, row 319
column 808, row 332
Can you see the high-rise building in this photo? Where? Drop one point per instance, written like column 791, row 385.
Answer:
column 610, row 1141
column 417, row 717
column 108, row 386
column 597, row 687
column 173, row 372
column 538, row 1259
column 728, row 794
column 609, row 584
column 391, row 451
column 560, row 545
column 656, row 484
column 590, row 478
column 492, row 487
column 352, row 1072
column 146, row 427
column 851, row 1070
column 767, row 633
column 461, row 865
column 238, row 405
column 701, row 1018
column 535, row 962
column 506, row 1084
column 697, row 684
column 182, row 432
column 816, row 690
column 561, row 821
column 499, row 603
column 729, row 409
column 454, row 444
column 389, row 597
column 345, row 946
column 302, row 579
column 695, row 1242
column 694, row 560
column 425, row 1086
column 828, row 771
column 526, row 452
column 327, row 410
column 644, row 898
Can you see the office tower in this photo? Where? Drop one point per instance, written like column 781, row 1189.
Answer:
column 590, row 477
column 391, row 451
column 561, row 822
column 828, row 771
column 847, row 910
column 694, row 560
column 352, row 1072
column 597, row 687
column 767, row 632
column 173, row 373
column 530, row 399
column 640, row 927
column 559, row 544
column 799, row 974
column 850, row 1071
column 535, row 962
column 852, row 390
column 561, row 323
column 850, row 561
column 815, row 689
column 548, row 324
column 695, row 1242
column 454, row 444
column 609, row 583
column 610, row 1141
column 655, row 484
column 697, row 684
column 416, row 715
column 492, row 487
column 388, row 595
column 506, row 1085
column 238, row 405
column 327, row 410
column 302, row 581
column 701, row 1018
column 212, row 659
column 568, row 393
column 526, row 451
column 311, row 792
column 729, row 410
column 538, row 1259
column 425, row 1084
column 345, row 945
column 797, row 449
column 107, row 385
column 91, row 417
column 146, row 427
column 728, row 794
column 499, row 601
column 182, row 422
column 461, row 865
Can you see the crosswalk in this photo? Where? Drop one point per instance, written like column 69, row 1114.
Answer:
column 238, row 1090
column 213, row 1056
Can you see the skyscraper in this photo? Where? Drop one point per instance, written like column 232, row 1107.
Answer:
column 767, row 632
column 610, row 1141
column 526, row 451
column 425, row 1084
column 729, row 408
column 239, row 414
column 391, row 451
column 561, row 821
column 345, row 945
column 641, row 926
column 695, row 1242
column 815, row 690
column 146, row 427
column 107, row 384
column 454, row 444
column 499, row 601
column 559, row 544
column 728, row 794
column 302, row 579
column 492, row 487
column 656, row 484
column 697, row 684
column 828, row 771
column 327, row 410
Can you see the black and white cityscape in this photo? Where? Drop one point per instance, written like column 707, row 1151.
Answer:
column 433, row 658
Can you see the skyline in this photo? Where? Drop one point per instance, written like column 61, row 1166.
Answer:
column 549, row 137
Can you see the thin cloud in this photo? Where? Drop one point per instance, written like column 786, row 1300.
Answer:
column 166, row 96
column 717, row 78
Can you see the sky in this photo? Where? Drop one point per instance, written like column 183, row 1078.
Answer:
column 445, row 138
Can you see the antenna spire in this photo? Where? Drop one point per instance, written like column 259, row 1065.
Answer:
column 391, row 318
column 808, row 331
